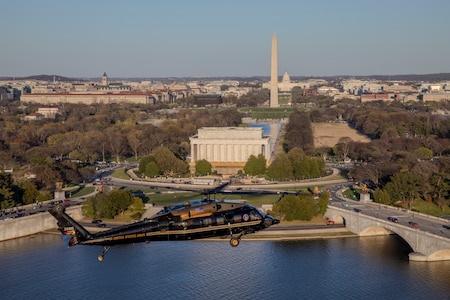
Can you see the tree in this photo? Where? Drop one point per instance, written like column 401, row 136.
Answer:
column 440, row 189
column 30, row 192
column 381, row 196
column 299, row 133
column 292, row 207
column 255, row 165
column 343, row 148
column 152, row 170
column 168, row 163
column 424, row 153
column 115, row 142
column 120, row 201
column 136, row 140
column 405, row 188
column 299, row 164
column 6, row 191
column 203, row 168
column 324, row 198
column 108, row 205
column 280, row 168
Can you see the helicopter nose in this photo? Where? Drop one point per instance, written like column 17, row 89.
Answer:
column 269, row 221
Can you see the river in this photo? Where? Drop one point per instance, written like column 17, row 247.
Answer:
column 41, row 267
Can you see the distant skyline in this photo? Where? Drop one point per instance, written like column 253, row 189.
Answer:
column 175, row 38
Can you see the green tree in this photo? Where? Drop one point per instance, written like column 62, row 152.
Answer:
column 143, row 162
column 324, row 198
column 202, row 168
column 424, row 153
column 120, row 201
column 440, row 189
column 6, row 190
column 298, row 160
column 30, row 192
column 108, row 205
column 255, row 165
column 152, row 170
column 280, row 168
column 381, row 196
column 405, row 188
column 292, row 207
column 168, row 163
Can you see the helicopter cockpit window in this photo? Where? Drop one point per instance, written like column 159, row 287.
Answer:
column 255, row 215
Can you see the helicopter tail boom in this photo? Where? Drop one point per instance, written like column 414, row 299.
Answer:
column 72, row 232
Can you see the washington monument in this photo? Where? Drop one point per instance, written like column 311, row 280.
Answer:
column 274, row 73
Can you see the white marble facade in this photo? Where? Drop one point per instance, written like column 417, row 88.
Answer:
column 229, row 144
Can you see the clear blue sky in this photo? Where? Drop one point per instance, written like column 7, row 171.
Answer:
column 176, row 38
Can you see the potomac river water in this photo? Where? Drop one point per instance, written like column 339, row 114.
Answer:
column 42, row 267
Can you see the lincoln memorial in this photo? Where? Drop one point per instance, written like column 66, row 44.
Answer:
column 229, row 146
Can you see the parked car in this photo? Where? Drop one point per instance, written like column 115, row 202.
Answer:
column 446, row 226
column 413, row 224
column 96, row 221
column 357, row 209
column 102, row 225
column 330, row 222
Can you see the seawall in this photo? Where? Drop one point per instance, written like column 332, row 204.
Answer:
column 28, row 225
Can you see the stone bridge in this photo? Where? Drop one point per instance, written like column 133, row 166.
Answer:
column 426, row 246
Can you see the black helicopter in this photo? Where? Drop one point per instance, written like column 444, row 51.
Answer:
column 190, row 220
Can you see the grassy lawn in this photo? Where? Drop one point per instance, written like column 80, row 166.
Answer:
column 430, row 208
column 266, row 113
column 82, row 192
column 120, row 173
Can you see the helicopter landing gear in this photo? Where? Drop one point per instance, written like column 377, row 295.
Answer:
column 105, row 250
column 234, row 242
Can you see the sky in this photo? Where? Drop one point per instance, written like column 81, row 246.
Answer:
column 210, row 38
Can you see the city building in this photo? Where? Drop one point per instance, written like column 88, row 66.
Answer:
column 34, row 117
column 229, row 147
column 375, row 97
column 49, row 111
column 434, row 96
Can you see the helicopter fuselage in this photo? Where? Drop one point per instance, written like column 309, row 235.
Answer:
column 186, row 221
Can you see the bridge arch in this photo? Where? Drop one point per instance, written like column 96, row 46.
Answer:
column 337, row 219
column 426, row 246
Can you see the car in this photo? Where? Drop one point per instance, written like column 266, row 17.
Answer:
column 102, row 225
column 330, row 222
column 356, row 209
column 413, row 224
column 393, row 219
column 96, row 221
column 446, row 226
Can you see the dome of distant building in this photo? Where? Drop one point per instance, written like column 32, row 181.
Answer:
column 286, row 78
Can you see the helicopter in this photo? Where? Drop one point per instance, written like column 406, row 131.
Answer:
column 195, row 219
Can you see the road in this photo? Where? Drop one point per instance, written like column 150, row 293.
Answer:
column 425, row 223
